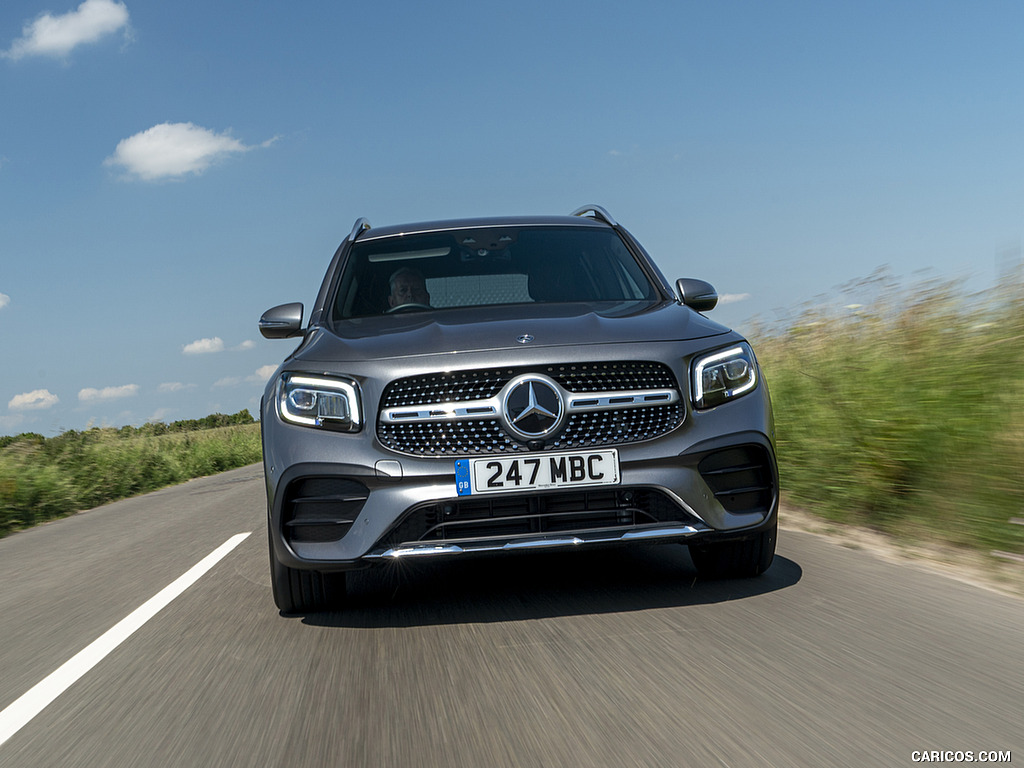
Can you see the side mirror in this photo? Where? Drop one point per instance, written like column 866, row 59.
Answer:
column 697, row 294
column 282, row 322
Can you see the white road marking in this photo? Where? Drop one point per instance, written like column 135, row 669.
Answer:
column 19, row 713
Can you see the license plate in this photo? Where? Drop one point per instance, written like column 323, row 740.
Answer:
column 536, row 472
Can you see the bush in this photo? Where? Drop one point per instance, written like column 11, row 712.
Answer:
column 42, row 479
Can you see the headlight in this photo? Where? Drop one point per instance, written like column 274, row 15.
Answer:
column 723, row 375
column 313, row 401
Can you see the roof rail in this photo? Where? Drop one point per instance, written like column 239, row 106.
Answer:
column 599, row 213
column 360, row 225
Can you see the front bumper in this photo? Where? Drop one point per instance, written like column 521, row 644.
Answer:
column 341, row 516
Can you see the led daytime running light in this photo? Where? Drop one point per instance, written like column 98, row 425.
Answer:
column 319, row 402
column 733, row 370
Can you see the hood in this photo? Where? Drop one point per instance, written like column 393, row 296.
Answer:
column 498, row 327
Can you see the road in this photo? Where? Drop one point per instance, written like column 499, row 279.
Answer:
column 609, row 658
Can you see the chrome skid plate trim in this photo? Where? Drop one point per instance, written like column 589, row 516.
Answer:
column 427, row 549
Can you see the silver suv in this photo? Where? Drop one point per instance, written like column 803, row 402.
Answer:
column 508, row 384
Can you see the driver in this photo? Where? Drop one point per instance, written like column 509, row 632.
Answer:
column 408, row 287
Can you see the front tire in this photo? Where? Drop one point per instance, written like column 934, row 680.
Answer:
column 740, row 559
column 299, row 591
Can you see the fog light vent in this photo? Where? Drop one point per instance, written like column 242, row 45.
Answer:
column 740, row 477
column 321, row 509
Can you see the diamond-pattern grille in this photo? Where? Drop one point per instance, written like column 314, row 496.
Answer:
column 445, row 388
column 613, row 426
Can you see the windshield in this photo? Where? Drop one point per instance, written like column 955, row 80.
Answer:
column 481, row 267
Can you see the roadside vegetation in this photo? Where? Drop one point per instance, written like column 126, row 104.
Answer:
column 904, row 411
column 45, row 478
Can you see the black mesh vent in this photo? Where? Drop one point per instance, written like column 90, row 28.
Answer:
column 522, row 515
column 319, row 509
column 741, row 478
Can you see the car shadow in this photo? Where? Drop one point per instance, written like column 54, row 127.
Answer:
column 538, row 585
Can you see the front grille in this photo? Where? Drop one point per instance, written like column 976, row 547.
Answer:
column 626, row 426
column 445, row 388
column 522, row 515
column 459, row 386
column 321, row 509
column 741, row 478
column 594, row 428
column 597, row 377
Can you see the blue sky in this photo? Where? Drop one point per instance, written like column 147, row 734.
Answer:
column 170, row 170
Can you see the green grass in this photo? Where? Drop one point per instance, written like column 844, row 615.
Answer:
column 43, row 479
column 906, row 414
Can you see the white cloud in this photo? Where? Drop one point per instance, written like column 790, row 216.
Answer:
column 4, row 300
column 204, row 346
column 172, row 150
column 51, row 35
column 174, row 386
column 259, row 376
column 36, row 400
column 733, row 298
column 263, row 374
column 247, row 344
column 89, row 394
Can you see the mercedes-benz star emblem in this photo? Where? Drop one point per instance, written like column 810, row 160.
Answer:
column 533, row 407
column 524, row 339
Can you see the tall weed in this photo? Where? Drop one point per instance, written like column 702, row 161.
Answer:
column 907, row 412
column 44, row 479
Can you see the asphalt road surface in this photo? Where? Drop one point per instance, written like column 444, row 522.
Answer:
column 609, row 658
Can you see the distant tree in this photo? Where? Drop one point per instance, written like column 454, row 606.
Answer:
column 24, row 437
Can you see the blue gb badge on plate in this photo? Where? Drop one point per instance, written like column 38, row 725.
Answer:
column 462, row 482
